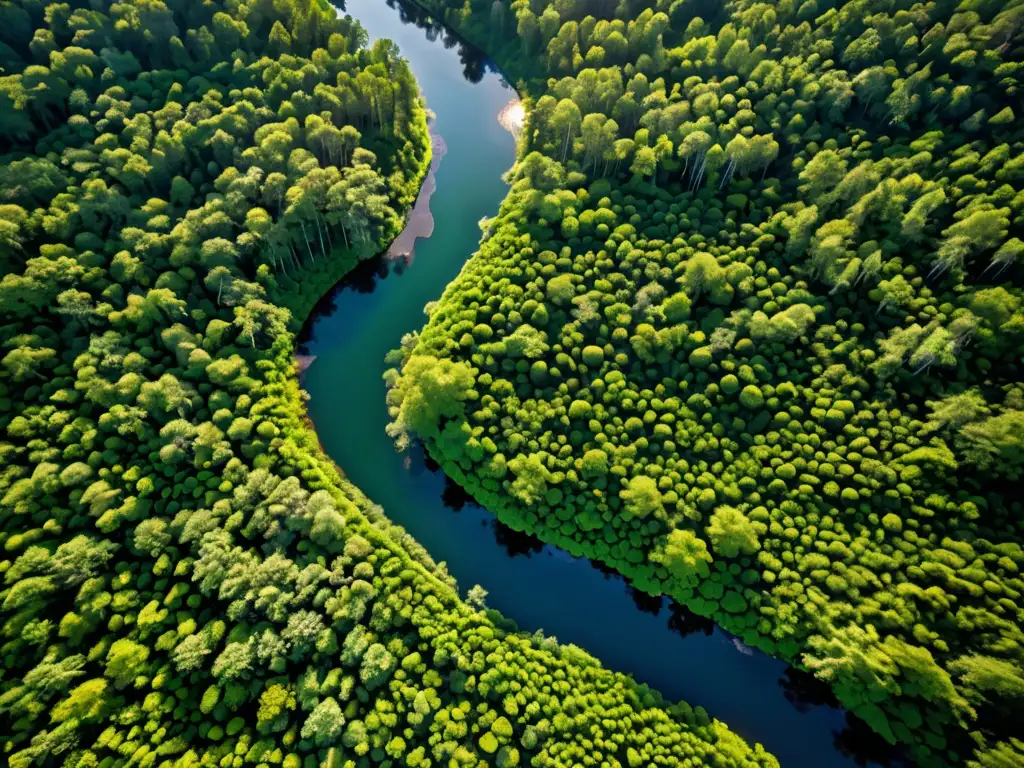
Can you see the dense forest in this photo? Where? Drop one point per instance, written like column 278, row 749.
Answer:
column 186, row 580
column 748, row 329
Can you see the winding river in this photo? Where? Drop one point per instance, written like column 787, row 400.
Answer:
column 537, row 586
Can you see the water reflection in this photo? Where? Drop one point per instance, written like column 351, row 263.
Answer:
column 684, row 622
column 644, row 602
column 415, row 460
column 856, row 740
column 865, row 747
column 474, row 63
column 454, row 495
column 804, row 691
column 363, row 279
column 515, row 543
column 607, row 571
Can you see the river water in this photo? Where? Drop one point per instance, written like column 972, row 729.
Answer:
column 537, row 586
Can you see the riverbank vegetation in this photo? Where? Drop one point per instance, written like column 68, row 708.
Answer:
column 748, row 329
column 186, row 580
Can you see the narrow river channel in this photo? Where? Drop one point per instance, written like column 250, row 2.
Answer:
column 537, row 586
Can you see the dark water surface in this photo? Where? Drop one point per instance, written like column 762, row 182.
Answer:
column 537, row 586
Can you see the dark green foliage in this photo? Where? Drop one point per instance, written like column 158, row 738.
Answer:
column 755, row 322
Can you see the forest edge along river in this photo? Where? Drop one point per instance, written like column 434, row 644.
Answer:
column 539, row 587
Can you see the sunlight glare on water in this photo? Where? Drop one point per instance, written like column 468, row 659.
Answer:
column 513, row 117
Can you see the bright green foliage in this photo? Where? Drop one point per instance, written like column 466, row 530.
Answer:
column 642, row 497
column 1006, row 754
column 430, row 391
column 126, row 660
column 685, row 557
column 751, row 397
column 768, row 259
column 732, row 533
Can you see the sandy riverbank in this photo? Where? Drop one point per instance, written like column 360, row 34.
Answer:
column 421, row 221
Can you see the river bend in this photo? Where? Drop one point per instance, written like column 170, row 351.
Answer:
column 537, row 586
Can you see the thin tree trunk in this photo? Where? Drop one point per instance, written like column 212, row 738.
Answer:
column 380, row 108
column 320, row 233
column 725, row 176
column 330, row 242
column 923, row 367
column 698, row 173
column 305, row 239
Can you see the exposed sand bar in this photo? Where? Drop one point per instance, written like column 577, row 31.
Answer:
column 421, row 221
